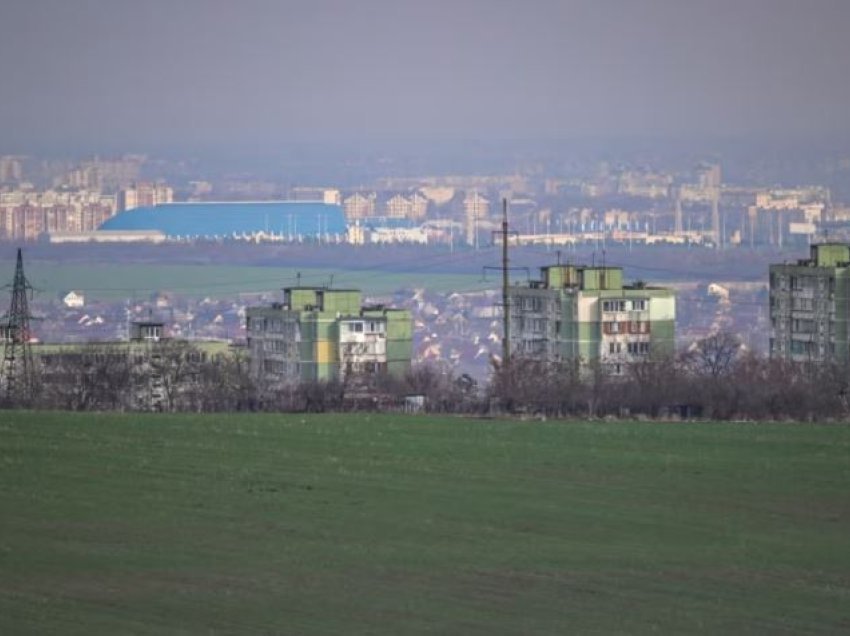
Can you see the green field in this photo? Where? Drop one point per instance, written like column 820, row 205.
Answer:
column 118, row 281
column 386, row 524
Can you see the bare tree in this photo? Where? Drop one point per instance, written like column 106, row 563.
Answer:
column 97, row 377
column 538, row 386
column 715, row 355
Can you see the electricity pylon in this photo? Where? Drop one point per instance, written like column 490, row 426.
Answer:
column 18, row 374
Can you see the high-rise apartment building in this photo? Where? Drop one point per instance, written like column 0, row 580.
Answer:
column 809, row 306
column 359, row 206
column 144, row 195
column 476, row 209
column 11, row 169
column 325, row 334
column 586, row 314
column 26, row 215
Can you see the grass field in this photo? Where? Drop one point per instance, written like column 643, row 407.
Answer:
column 411, row 525
column 118, row 281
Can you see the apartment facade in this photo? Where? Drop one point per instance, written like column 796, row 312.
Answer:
column 587, row 315
column 809, row 306
column 320, row 334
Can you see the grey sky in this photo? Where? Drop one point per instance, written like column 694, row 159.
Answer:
column 95, row 72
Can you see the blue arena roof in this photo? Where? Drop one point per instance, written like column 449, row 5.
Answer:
column 223, row 220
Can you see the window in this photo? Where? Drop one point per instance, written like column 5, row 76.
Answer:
column 638, row 348
column 376, row 327
column 802, row 304
column 613, row 305
column 803, row 326
column 639, row 305
column 611, row 327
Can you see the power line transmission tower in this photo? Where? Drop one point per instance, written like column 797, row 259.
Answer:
column 18, row 377
column 505, row 269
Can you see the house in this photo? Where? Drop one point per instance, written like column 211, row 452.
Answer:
column 74, row 299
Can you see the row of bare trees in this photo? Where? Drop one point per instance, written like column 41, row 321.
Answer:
column 716, row 379
column 175, row 376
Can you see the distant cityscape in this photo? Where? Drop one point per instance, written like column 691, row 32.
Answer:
column 597, row 209
column 91, row 200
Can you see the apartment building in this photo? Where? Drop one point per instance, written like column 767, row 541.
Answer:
column 324, row 334
column 586, row 314
column 144, row 195
column 25, row 215
column 809, row 306
column 476, row 208
column 359, row 206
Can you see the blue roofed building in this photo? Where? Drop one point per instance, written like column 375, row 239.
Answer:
column 288, row 220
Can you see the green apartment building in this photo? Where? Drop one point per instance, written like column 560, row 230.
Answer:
column 809, row 306
column 586, row 314
column 326, row 334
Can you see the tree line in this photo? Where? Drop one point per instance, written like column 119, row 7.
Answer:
column 715, row 379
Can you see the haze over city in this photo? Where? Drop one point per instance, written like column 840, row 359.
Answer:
column 96, row 76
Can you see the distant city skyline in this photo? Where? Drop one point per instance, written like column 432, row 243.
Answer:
column 98, row 75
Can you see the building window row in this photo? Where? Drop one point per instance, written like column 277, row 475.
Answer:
column 624, row 305
column 632, row 348
column 370, row 326
column 531, row 304
column 612, row 327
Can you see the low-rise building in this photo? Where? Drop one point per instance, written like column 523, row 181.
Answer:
column 587, row 315
column 148, row 371
column 320, row 334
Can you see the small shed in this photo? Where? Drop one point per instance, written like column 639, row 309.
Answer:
column 414, row 403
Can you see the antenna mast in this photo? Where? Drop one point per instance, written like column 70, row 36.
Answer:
column 17, row 371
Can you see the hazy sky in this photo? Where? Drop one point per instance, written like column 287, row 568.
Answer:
column 113, row 72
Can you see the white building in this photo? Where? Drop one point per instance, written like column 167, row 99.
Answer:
column 74, row 299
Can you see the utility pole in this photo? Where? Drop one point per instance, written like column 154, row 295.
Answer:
column 18, row 372
column 677, row 211
column 506, row 313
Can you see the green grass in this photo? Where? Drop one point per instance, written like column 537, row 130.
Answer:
column 119, row 281
column 411, row 525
